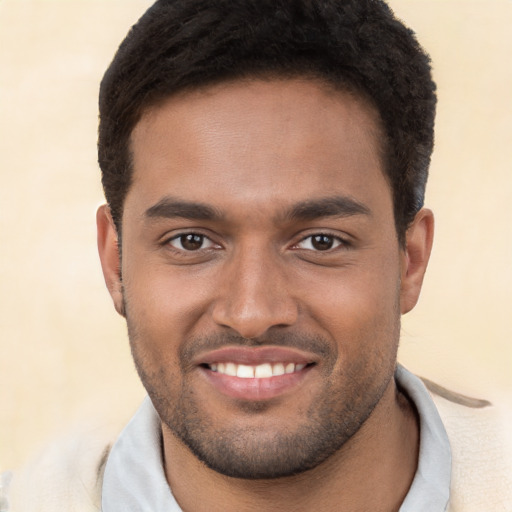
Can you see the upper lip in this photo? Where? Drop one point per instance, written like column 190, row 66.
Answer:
column 255, row 356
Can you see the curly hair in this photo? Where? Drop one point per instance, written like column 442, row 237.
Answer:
column 355, row 45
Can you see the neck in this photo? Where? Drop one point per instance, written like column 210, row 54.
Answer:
column 373, row 471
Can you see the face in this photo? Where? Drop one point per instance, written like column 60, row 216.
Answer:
column 262, row 280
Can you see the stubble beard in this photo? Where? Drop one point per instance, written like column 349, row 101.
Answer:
column 330, row 422
column 252, row 453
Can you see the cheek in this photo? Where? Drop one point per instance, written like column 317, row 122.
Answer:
column 164, row 308
column 358, row 307
column 362, row 319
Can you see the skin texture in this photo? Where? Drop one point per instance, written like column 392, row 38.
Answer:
column 255, row 170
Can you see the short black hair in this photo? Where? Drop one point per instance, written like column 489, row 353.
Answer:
column 355, row 45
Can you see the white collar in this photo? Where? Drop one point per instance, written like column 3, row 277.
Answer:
column 134, row 479
column 430, row 489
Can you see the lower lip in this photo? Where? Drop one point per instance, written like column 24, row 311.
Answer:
column 255, row 389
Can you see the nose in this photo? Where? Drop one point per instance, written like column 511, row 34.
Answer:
column 254, row 295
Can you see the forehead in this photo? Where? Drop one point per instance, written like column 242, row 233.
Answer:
column 259, row 143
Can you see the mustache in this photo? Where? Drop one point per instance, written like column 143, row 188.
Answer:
column 316, row 344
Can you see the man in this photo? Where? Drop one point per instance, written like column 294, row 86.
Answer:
column 264, row 165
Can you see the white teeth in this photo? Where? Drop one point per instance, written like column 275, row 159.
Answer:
column 231, row 369
column 278, row 369
column 245, row 372
column 260, row 371
column 263, row 370
column 290, row 368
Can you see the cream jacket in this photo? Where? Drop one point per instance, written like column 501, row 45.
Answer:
column 68, row 476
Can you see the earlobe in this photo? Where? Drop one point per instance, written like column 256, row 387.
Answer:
column 419, row 238
column 109, row 255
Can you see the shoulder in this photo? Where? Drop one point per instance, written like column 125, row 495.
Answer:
column 66, row 475
column 481, row 444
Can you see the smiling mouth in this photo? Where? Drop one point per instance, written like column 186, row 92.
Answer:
column 260, row 371
column 256, row 374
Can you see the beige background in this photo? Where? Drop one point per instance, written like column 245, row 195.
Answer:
column 64, row 357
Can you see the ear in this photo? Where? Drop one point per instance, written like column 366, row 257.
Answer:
column 419, row 238
column 108, row 249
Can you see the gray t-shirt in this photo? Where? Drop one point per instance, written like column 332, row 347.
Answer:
column 134, row 479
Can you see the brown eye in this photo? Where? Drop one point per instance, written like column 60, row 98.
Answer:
column 191, row 242
column 322, row 242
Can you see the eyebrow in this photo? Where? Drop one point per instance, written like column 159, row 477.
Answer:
column 169, row 208
column 336, row 206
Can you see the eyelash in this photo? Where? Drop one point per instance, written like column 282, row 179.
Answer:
column 336, row 242
column 181, row 236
